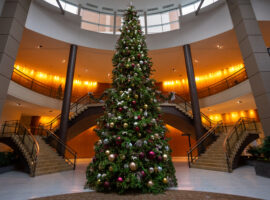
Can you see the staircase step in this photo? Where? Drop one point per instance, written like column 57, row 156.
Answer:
column 223, row 169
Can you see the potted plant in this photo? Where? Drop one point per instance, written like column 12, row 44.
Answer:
column 262, row 155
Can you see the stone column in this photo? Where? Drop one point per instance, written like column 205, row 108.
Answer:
column 255, row 56
column 12, row 21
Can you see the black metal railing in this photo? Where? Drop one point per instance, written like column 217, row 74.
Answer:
column 205, row 141
column 186, row 107
column 235, row 135
column 12, row 128
column 37, row 86
column 75, row 108
column 224, row 84
column 55, row 142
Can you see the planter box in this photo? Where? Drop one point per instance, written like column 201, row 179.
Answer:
column 262, row 168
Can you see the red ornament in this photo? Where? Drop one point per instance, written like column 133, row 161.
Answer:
column 120, row 109
column 152, row 154
column 120, row 179
column 139, row 117
column 103, row 107
column 143, row 173
column 134, row 102
column 106, row 184
column 139, row 55
column 133, row 65
column 141, row 155
column 118, row 140
column 159, row 158
column 137, row 128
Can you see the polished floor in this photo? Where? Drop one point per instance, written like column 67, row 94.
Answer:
column 243, row 181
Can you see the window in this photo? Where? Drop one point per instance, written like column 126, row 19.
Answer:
column 71, row 8
column 106, row 19
column 53, row 2
column 188, row 9
column 153, row 19
column 207, row 3
column 89, row 26
column 90, row 16
column 154, row 29
column 170, row 27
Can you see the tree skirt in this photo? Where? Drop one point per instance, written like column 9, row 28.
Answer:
column 168, row 195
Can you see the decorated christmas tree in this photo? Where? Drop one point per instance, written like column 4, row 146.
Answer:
column 132, row 154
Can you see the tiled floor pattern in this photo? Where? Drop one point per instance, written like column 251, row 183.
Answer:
column 243, row 181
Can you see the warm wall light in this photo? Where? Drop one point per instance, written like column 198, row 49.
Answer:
column 203, row 80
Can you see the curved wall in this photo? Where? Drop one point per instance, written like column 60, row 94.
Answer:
column 47, row 20
column 212, row 20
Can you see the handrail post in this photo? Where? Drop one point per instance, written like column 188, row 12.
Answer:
column 75, row 159
column 24, row 136
column 32, row 83
column 4, row 127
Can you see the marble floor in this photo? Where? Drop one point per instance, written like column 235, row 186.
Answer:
column 243, row 181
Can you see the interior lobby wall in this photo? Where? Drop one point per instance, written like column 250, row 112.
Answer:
column 83, row 143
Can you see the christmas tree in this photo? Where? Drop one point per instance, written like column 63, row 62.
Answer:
column 132, row 154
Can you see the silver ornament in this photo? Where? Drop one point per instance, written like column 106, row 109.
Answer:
column 141, row 62
column 135, row 123
column 106, row 141
column 103, row 175
column 159, row 168
column 126, row 166
column 99, row 175
column 151, row 170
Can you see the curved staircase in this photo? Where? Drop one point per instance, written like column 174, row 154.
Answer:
column 41, row 157
column 91, row 105
column 223, row 153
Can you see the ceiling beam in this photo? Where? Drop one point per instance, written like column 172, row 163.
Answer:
column 60, row 6
column 199, row 8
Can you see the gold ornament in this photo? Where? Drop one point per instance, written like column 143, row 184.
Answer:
column 159, row 108
column 156, row 135
column 99, row 142
column 111, row 157
column 121, row 92
column 128, row 97
column 127, row 65
column 98, row 181
column 97, row 122
column 107, row 152
column 139, row 135
column 136, row 96
column 150, row 183
column 133, row 166
column 156, row 169
column 152, row 137
column 122, row 157
column 141, row 109
column 125, row 125
column 111, row 124
column 153, row 82
column 132, row 84
column 165, row 156
column 145, row 106
column 165, row 180
column 100, row 166
column 110, row 168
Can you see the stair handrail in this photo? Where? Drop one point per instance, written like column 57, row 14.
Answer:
column 21, row 130
column 212, row 131
column 60, row 143
column 75, row 108
column 240, row 127
column 180, row 101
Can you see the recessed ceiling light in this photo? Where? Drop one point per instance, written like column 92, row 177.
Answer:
column 219, row 46
column 196, row 61
column 39, row 46
column 63, row 61
column 18, row 104
column 239, row 101
column 109, row 74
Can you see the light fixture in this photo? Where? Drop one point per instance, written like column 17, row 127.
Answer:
column 109, row 74
column 239, row 101
column 18, row 104
column 39, row 46
column 63, row 61
column 219, row 46
column 196, row 61
column 174, row 70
